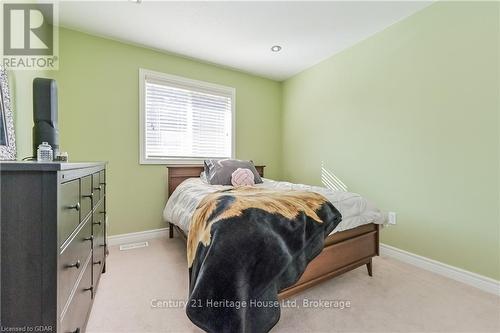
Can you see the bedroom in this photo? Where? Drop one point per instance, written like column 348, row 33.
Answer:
column 396, row 101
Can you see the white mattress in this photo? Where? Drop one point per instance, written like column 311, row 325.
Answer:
column 355, row 209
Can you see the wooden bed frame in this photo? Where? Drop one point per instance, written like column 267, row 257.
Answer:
column 343, row 251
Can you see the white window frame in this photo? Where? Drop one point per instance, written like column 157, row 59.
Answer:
column 168, row 78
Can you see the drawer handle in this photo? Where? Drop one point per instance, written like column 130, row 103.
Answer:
column 97, row 223
column 91, row 195
column 76, row 331
column 102, row 183
column 89, row 238
column 76, row 265
column 98, row 188
column 97, row 262
column 75, row 206
column 88, row 289
column 102, row 212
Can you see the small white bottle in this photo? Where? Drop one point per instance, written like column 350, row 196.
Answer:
column 44, row 153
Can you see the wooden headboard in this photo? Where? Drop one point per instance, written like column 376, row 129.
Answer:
column 179, row 173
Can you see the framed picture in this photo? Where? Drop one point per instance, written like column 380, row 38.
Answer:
column 7, row 135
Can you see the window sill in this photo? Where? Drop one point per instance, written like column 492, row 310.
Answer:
column 180, row 161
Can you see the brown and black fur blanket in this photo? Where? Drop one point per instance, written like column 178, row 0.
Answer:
column 244, row 246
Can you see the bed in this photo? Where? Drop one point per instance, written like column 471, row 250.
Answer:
column 344, row 250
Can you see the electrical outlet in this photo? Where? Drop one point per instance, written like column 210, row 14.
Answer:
column 391, row 217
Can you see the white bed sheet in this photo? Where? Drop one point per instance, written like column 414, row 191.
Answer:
column 355, row 209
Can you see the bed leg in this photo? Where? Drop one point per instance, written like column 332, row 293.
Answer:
column 170, row 230
column 369, row 267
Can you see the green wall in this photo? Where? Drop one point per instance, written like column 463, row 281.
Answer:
column 98, row 81
column 409, row 118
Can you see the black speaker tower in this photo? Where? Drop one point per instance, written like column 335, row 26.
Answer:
column 45, row 114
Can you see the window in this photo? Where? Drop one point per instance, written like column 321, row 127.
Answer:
column 184, row 121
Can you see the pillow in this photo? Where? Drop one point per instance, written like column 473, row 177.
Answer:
column 219, row 172
column 242, row 177
column 203, row 177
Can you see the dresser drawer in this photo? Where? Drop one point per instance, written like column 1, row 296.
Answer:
column 71, row 261
column 69, row 209
column 102, row 180
column 97, row 261
column 76, row 315
column 97, row 188
column 98, row 219
column 86, row 196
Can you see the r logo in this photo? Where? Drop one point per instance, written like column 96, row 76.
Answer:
column 28, row 29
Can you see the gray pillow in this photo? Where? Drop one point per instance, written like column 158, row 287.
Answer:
column 218, row 172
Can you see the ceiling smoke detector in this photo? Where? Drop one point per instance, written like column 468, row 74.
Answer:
column 275, row 48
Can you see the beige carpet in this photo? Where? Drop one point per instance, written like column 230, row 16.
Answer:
column 398, row 298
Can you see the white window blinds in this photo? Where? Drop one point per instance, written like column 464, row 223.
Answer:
column 185, row 119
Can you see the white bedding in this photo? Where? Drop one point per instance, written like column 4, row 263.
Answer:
column 355, row 209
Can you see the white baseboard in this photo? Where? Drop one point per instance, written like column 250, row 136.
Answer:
column 135, row 237
column 482, row 282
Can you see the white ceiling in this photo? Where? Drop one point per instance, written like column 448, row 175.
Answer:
column 240, row 34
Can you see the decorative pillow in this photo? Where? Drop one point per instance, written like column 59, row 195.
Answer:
column 203, row 177
column 242, row 177
column 219, row 172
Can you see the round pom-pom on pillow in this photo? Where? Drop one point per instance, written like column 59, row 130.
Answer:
column 242, row 177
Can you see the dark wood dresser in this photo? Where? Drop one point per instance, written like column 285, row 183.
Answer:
column 53, row 244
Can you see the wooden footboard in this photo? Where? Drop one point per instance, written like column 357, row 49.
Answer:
column 343, row 251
